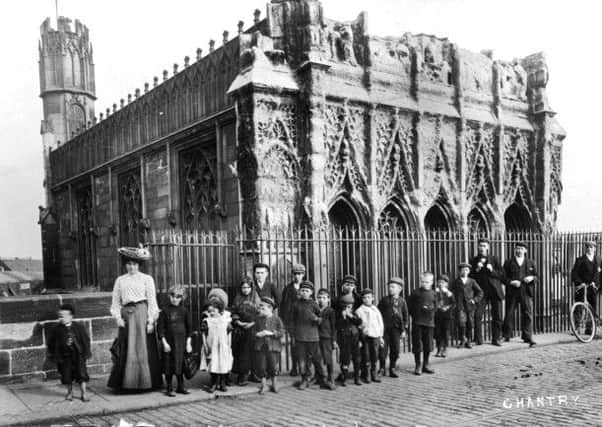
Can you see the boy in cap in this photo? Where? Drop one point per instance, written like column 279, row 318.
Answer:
column 306, row 318
column 372, row 330
column 327, row 331
column 289, row 296
column 349, row 286
column 421, row 305
column 443, row 315
column 348, row 338
column 394, row 311
column 268, row 332
column 467, row 294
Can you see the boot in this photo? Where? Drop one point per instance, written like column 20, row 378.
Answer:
column 213, row 385
column 222, row 383
column 329, row 384
column 242, row 380
column 181, row 389
column 356, row 377
column 467, row 343
column 392, row 373
column 303, row 384
column 444, row 352
column 462, row 332
column 373, row 376
column 365, row 378
column 84, row 395
column 274, row 386
column 438, row 352
column 425, row 364
column 262, row 386
column 169, row 391
column 417, row 370
column 342, row 377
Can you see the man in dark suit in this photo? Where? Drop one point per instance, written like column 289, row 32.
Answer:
column 587, row 271
column 263, row 287
column 520, row 277
column 487, row 271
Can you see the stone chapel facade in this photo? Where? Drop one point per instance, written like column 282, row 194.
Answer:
column 296, row 120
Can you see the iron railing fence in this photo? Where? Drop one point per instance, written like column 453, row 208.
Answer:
column 203, row 260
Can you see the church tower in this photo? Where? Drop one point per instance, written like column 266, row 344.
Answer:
column 66, row 84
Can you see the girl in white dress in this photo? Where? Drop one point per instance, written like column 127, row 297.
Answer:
column 217, row 351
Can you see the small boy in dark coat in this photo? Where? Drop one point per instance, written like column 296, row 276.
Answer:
column 394, row 311
column 467, row 294
column 269, row 330
column 306, row 318
column 327, row 332
column 348, row 337
column 444, row 315
column 421, row 305
column 69, row 347
column 174, row 330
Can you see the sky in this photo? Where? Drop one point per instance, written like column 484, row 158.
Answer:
column 135, row 40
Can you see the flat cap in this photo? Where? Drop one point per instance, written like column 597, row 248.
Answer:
column 261, row 265
column 464, row 265
column 349, row 278
column 347, row 299
column 307, row 285
column 397, row 280
column 443, row 277
column 367, row 291
column 269, row 301
column 520, row 245
column 298, row 268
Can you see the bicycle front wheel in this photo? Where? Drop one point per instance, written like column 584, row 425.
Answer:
column 583, row 323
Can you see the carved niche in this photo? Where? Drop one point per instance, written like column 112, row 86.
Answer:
column 516, row 181
column 555, row 185
column 277, row 160
column 395, row 154
column 480, row 184
column 477, row 72
column 513, row 80
column 433, row 58
column 344, row 137
column 437, row 162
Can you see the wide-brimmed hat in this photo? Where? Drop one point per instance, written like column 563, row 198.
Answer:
column 139, row 254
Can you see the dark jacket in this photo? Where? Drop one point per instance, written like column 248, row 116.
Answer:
column 347, row 326
column 586, row 271
column 174, row 323
column 306, row 317
column 445, row 305
column 57, row 343
column 489, row 281
column 465, row 293
column 422, row 305
column 269, row 290
column 394, row 312
column 244, row 308
column 513, row 271
column 273, row 324
column 289, row 296
column 327, row 328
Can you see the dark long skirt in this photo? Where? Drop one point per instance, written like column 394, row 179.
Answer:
column 242, row 350
column 136, row 361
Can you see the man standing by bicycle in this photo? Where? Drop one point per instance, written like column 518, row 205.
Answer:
column 487, row 271
column 520, row 276
column 586, row 271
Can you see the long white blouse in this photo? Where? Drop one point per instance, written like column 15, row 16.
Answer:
column 133, row 288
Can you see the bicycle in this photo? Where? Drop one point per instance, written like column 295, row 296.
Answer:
column 584, row 322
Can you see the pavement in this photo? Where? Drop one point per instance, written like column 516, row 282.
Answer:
column 467, row 381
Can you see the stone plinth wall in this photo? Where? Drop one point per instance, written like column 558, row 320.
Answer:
column 25, row 323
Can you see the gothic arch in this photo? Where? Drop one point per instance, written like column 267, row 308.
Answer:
column 478, row 220
column 396, row 215
column 343, row 213
column 439, row 218
column 517, row 218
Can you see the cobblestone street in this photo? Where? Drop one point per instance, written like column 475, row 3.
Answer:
column 548, row 385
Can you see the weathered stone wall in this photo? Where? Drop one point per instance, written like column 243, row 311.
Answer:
column 25, row 323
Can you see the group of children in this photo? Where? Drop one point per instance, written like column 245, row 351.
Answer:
column 248, row 340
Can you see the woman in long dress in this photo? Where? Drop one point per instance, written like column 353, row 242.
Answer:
column 135, row 351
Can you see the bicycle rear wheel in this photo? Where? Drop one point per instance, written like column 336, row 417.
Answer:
column 583, row 323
